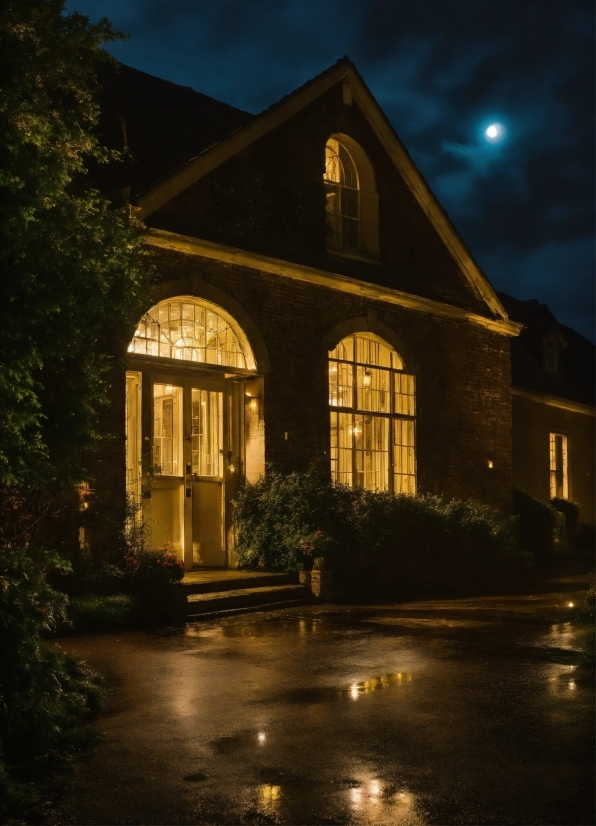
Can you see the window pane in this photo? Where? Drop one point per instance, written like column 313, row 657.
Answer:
column 559, row 473
column 340, row 384
column 344, row 350
column 369, row 351
column 404, row 463
column 372, row 389
column 207, row 433
column 371, row 442
column 332, row 162
column 348, row 169
column 405, row 399
column 349, row 203
column 167, row 429
column 341, row 448
column 349, row 230
column 188, row 331
column 133, row 436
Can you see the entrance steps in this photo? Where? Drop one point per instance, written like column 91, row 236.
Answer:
column 211, row 593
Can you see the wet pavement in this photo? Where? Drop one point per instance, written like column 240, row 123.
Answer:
column 469, row 711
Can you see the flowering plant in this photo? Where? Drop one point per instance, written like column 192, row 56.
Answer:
column 316, row 544
column 153, row 565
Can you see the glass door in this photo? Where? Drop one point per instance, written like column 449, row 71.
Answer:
column 207, row 484
column 166, row 516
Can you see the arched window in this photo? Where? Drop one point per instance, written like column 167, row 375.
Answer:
column 192, row 330
column 343, row 197
column 373, row 408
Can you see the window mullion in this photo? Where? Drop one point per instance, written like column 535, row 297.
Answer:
column 354, row 408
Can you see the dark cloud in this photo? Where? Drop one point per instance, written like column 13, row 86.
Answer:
column 441, row 71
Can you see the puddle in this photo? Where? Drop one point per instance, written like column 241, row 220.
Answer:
column 353, row 691
column 235, row 742
column 420, row 622
column 196, row 778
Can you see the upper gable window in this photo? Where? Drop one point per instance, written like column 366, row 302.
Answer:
column 343, row 197
column 352, row 200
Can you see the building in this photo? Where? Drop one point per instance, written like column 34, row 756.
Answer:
column 553, row 408
column 315, row 305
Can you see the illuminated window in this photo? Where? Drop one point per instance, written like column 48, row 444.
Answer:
column 207, row 433
column 192, row 330
column 373, row 408
column 133, row 436
column 559, row 471
column 343, row 197
column 167, row 429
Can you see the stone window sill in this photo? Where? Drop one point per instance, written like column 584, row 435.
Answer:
column 356, row 256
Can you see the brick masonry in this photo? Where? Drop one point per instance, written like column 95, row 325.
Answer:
column 270, row 199
column 462, row 371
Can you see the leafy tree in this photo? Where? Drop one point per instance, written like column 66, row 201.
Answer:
column 73, row 273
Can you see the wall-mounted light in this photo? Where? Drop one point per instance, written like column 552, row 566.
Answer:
column 490, row 464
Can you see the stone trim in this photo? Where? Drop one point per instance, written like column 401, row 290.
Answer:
column 300, row 272
column 554, row 401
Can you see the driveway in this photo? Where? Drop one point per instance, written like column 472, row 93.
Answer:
column 460, row 711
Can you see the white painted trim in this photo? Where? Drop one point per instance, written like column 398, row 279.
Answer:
column 335, row 281
column 554, row 401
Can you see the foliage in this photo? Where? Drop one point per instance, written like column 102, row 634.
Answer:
column 72, row 269
column 153, row 578
column 93, row 613
column 374, row 542
column 570, row 511
column 44, row 694
column 536, row 523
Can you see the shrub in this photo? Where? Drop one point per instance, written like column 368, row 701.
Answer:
column 152, row 578
column 44, row 694
column 536, row 523
column 570, row 511
column 375, row 542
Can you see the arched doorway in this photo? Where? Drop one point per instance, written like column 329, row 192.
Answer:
column 192, row 375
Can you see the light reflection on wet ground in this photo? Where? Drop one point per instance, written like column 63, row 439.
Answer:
column 369, row 716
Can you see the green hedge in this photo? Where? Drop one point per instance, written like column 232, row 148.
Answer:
column 45, row 695
column 536, row 524
column 376, row 543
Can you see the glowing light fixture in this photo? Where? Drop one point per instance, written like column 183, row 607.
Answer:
column 261, row 737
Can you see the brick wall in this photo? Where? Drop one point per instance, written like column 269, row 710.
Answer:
column 270, row 198
column 463, row 377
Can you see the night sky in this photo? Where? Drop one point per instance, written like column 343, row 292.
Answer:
column 443, row 72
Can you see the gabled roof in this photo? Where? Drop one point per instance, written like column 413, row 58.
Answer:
column 211, row 145
column 574, row 380
column 162, row 125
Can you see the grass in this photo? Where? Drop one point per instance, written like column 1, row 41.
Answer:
column 93, row 613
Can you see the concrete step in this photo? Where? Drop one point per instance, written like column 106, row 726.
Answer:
column 194, row 583
column 199, row 604
column 249, row 609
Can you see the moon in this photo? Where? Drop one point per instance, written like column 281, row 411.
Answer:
column 494, row 132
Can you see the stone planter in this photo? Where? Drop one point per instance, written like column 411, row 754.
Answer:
column 304, row 578
column 321, row 583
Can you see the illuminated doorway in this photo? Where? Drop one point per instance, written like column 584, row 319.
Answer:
column 192, row 371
